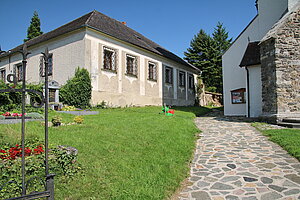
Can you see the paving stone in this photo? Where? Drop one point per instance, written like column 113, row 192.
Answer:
column 277, row 188
column 202, row 184
column 248, row 174
column 293, row 177
column 232, row 166
column 235, row 161
column 238, row 183
column 194, row 178
column 202, row 173
column 292, row 191
column 249, row 179
column 210, row 179
column 200, row 195
column 221, row 186
column 219, row 175
column 231, row 197
column 266, row 180
column 268, row 165
column 230, row 178
column 249, row 198
column 289, row 184
column 214, row 193
column 271, row 196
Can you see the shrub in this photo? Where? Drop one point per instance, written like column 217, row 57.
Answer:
column 61, row 163
column 69, row 108
column 78, row 90
column 102, row 105
column 56, row 120
column 78, row 119
column 2, row 117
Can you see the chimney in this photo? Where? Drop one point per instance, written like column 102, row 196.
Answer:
column 124, row 23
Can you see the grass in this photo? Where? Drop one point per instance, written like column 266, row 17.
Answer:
column 288, row 139
column 129, row 153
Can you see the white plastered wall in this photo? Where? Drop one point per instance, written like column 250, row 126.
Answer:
column 255, row 91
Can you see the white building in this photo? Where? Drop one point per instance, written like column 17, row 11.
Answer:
column 126, row 68
column 242, row 78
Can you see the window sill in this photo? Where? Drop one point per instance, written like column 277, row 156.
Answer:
column 109, row 70
column 153, row 80
column 131, row 75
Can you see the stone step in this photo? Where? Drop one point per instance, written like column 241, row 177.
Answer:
column 289, row 124
column 291, row 120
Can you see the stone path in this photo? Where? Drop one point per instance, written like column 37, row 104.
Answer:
column 234, row 161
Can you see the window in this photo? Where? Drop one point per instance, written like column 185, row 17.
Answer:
column 168, row 75
column 50, row 66
column 181, row 78
column 191, row 81
column 131, row 65
column 238, row 96
column 109, row 59
column 19, row 72
column 52, row 95
column 2, row 74
column 152, row 71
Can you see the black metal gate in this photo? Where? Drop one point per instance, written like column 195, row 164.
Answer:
column 48, row 180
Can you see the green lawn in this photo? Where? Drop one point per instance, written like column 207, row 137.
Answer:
column 288, row 139
column 130, row 153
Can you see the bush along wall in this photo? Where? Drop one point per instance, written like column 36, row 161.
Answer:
column 78, row 90
column 10, row 101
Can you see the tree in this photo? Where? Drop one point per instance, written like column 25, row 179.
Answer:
column 78, row 90
column 34, row 28
column 205, row 53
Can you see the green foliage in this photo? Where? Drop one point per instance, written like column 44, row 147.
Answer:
column 34, row 28
column 205, row 53
column 78, row 90
column 69, row 108
column 78, row 119
column 56, row 120
column 61, row 164
column 211, row 89
column 1, row 117
column 102, row 105
column 11, row 101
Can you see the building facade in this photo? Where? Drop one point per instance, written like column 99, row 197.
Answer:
column 125, row 67
column 250, row 85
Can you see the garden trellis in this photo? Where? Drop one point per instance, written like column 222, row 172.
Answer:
column 48, row 180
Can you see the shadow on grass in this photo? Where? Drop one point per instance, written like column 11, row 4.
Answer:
column 197, row 110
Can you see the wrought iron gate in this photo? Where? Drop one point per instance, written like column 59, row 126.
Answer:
column 48, row 180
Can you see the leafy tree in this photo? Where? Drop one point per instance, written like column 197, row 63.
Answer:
column 205, row 53
column 78, row 90
column 34, row 28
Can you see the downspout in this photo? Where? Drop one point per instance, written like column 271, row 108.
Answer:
column 248, row 92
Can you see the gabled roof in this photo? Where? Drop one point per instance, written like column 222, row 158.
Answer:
column 111, row 27
column 252, row 55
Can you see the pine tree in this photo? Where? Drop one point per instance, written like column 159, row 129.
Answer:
column 34, row 28
column 220, row 36
column 201, row 54
column 205, row 53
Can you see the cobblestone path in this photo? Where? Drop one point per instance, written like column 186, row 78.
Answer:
column 234, row 161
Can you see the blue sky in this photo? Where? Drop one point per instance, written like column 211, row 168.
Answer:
column 170, row 23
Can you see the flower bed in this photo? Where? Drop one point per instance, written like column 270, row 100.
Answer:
column 9, row 115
